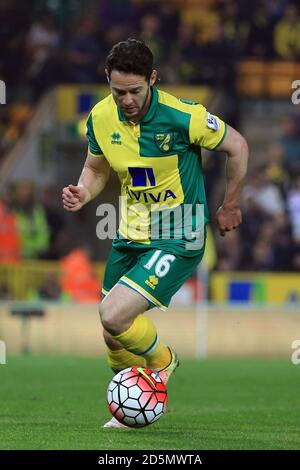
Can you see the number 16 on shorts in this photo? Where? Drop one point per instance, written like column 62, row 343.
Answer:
column 162, row 265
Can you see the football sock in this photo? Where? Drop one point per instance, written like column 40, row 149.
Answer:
column 121, row 359
column 142, row 339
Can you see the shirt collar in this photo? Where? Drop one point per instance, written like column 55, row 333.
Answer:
column 151, row 111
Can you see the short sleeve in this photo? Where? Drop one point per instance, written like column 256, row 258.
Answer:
column 94, row 148
column 206, row 130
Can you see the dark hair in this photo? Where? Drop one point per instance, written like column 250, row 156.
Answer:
column 130, row 56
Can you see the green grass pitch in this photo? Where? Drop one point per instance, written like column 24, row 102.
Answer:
column 50, row 402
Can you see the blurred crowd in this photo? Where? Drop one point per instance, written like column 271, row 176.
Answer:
column 194, row 42
column 33, row 227
column 269, row 238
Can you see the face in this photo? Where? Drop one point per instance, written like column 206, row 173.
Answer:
column 131, row 93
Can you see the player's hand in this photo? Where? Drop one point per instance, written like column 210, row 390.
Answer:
column 228, row 218
column 74, row 197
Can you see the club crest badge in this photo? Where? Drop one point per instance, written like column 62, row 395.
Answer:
column 164, row 140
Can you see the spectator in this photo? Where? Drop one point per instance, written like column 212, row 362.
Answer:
column 10, row 247
column 42, row 45
column 229, row 252
column 50, row 290
column 260, row 41
column 202, row 15
column 79, row 280
column 56, row 223
column 219, row 60
column 293, row 205
column 116, row 34
column 287, row 34
column 290, row 142
column 13, row 24
column 31, row 222
column 150, row 33
column 114, row 12
column 84, row 53
column 276, row 8
column 170, row 20
column 283, row 249
column 253, row 218
column 261, row 256
column 275, row 169
column 5, row 292
column 265, row 195
column 236, row 28
column 185, row 57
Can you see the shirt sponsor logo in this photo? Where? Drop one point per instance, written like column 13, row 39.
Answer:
column 149, row 197
column 142, row 176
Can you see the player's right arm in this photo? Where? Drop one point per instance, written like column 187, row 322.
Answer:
column 92, row 181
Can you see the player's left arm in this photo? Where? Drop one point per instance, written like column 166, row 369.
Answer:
column 229, row 215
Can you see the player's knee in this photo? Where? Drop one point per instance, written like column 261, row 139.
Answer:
column 110, row 319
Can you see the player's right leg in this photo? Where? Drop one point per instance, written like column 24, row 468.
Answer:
column 119, row 358
column 167, row 371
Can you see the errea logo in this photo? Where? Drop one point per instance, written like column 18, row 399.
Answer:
column 116, row 138
column 152, row 282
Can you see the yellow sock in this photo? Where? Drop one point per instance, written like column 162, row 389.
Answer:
column 142, row 339
column 121, row 359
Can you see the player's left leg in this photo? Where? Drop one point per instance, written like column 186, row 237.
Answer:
column 157, row 276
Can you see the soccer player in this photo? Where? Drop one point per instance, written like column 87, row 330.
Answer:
column 153, row 141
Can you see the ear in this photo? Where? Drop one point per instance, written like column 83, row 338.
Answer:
column 153, row 77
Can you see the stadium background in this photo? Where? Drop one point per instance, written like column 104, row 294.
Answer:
column 240, row 59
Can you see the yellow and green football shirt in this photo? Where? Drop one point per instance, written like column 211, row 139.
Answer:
column 158, row 162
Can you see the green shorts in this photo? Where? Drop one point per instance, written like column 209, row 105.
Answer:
column 157, row 274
